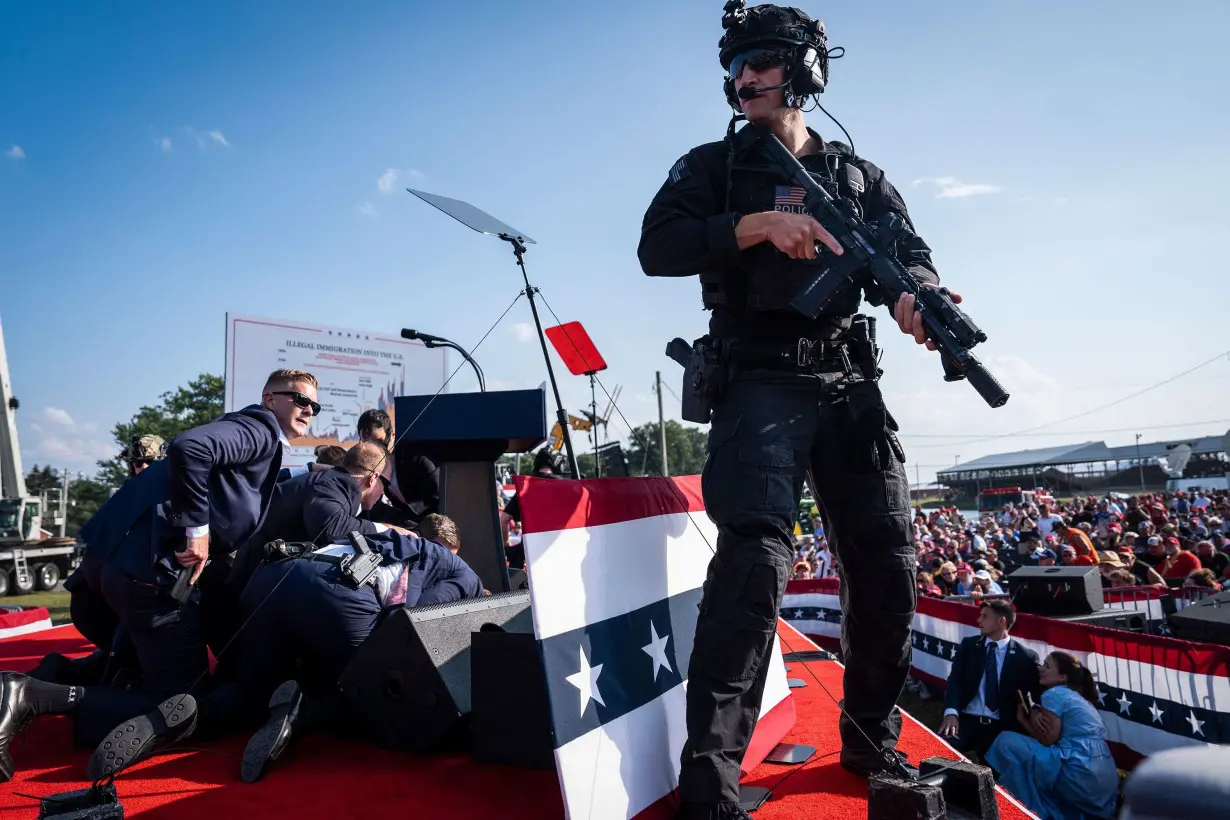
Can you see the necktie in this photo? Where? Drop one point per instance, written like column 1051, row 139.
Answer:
column 992, row 678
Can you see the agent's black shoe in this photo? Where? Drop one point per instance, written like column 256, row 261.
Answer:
column 712, row 811
column 271, row 740
column 866, row 764
column 16, row 712
column 141, row 737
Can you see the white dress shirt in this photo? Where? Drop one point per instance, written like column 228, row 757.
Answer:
column 978, row 704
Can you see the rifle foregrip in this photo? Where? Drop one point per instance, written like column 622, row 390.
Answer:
column 987, row 386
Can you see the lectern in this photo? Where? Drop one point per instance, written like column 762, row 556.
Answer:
column 465, row 434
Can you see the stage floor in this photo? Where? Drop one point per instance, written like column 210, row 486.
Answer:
column 327, row 778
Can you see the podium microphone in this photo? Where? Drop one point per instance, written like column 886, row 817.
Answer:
column 439, row 341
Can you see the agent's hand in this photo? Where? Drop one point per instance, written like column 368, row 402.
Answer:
column 795, row 235
column 910, row 320
column 194, row 555
column 948, row 726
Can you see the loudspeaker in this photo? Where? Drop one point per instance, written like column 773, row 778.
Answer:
column 408, row 685
column 511, row 718
column 1057, row 590
column 1206, row 621
column 1134, row 619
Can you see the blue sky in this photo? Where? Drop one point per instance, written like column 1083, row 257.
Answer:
column 162, row 164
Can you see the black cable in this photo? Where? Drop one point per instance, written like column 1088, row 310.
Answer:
column 893, row 763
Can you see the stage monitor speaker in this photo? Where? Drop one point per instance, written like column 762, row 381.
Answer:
column 1133, row 619
column 511, row 719
column 1206, row 621
column 409, row 683
column 1056, row 590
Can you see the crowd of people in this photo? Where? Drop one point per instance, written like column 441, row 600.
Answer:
column 1177, row 539
column 1034, row 720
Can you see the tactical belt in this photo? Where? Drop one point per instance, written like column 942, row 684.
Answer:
column 801, row 354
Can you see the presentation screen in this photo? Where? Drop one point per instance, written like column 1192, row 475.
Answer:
column 357, row 369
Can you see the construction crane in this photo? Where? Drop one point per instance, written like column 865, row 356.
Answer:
column 28, row 559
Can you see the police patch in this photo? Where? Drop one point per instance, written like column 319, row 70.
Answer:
column 788, row 198
column 680, row 170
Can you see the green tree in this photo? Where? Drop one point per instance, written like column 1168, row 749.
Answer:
column 685, row 450
column 191, row 405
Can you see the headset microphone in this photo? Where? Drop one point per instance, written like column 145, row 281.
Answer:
column 749, row 91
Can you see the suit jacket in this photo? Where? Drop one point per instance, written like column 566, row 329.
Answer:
column 416, row 495
column 436, row 575
column 320, row 507
column 219, row 474
column 1019, row 672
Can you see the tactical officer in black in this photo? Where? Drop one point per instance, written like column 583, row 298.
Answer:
column 793, row 398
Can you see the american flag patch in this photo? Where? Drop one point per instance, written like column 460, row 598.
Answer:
column 680, row 170
column 788, row 195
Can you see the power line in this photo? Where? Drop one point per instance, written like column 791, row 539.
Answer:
column 1079, row 432
column 1224, row 354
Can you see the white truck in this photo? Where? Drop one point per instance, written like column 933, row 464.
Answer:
column 30, row 557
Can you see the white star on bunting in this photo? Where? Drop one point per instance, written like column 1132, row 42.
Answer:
column 586, row 680
column 1125, row 705
column 1197, row 725
column 1156, row 712
column 656, row 649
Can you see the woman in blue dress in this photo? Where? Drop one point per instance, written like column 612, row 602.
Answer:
column 1063, row 769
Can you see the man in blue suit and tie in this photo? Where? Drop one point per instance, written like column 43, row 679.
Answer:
column 988, row 672
column 202, row 502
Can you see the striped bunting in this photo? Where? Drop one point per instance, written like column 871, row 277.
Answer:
column 638, row 657
column 616, row 568
column 1155, row 693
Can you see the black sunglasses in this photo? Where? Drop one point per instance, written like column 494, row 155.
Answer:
column 300, row 400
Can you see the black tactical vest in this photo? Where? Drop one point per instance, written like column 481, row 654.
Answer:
column 768, row 279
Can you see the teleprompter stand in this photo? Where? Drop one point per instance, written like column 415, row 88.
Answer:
column 483, row 222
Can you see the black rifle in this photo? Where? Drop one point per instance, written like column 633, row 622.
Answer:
column 869, row 248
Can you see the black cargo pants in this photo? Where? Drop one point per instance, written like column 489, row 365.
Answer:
column 771, row 430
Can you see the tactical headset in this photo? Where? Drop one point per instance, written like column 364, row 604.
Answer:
column 801, row 40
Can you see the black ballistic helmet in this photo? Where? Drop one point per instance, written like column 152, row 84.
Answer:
column 800, row 39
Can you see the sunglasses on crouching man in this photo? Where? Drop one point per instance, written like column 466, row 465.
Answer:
column 300, row 400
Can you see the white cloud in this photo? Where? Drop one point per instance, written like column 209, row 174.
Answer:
column 523, row 332
column 15, row 153
column 207, row 139
column 953, row 188
column 388, row 180
column 57, row 416
column 62, row 441
column 165, row 144
column 368, row 209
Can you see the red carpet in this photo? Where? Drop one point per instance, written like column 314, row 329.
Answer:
column 326, row 778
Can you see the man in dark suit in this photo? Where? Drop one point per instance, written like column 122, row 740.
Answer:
column 203, row 501
column 320, row 507
column 311, row 623
column 987, row 673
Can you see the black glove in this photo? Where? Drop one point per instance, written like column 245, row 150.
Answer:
column 873, row 427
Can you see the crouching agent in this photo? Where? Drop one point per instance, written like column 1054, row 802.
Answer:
column 307, row 619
